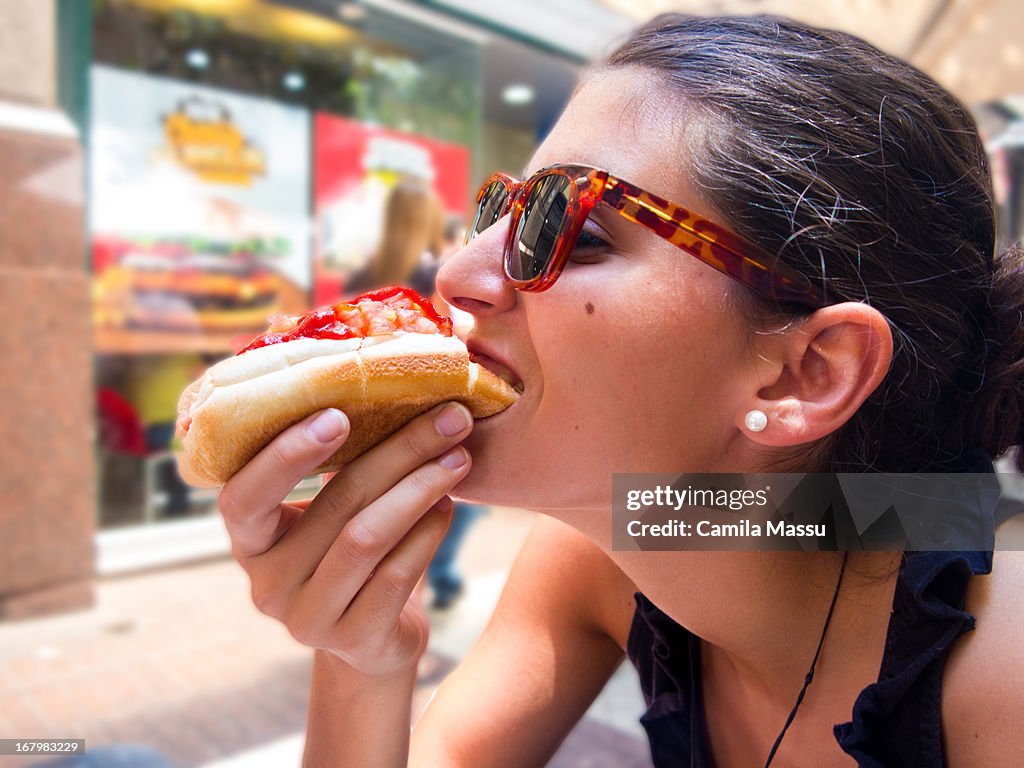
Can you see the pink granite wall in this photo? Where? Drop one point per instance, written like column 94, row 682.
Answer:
column 47, row 486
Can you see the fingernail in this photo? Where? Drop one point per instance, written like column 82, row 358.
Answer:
column 454, row 459
column 452, row 420
column 328, row 426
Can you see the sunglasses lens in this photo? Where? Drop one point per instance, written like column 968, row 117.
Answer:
column 543, row 220
column 489, row 209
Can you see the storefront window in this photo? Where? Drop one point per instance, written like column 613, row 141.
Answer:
column 243, row 158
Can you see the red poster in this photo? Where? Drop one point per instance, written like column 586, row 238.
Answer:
column 358, row 171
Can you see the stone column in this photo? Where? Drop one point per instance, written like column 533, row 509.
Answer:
column 47, row 485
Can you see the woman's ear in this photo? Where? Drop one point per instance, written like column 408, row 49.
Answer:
column 814, row 377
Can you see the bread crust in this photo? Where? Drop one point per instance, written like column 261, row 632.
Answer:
column 241, row 404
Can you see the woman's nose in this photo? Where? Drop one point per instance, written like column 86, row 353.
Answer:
column 473, row 279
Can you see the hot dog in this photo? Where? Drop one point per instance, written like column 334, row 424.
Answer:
column 383, row 358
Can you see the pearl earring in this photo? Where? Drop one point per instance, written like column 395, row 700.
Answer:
column 755, row 420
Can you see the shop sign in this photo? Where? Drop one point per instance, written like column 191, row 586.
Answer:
column 202, row 137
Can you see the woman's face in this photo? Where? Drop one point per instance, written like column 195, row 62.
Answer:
column 635, row 360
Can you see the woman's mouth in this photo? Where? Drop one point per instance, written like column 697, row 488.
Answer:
column 499, row 369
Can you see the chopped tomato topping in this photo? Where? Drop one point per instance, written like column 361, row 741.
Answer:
column 378, row 313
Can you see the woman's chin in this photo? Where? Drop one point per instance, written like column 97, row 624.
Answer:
column 499, row 485
column 493, row 479
column 481, row 486
column 491, row 474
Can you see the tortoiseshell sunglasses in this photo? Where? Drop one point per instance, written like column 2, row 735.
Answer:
column 549, row 209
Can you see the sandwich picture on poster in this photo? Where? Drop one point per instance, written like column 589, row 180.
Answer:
column 200, row 215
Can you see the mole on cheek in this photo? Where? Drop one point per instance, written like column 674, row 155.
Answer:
column 589, row 308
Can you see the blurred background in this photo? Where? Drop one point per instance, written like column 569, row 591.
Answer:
column 172, row 172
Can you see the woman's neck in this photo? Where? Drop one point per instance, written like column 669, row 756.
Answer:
column 762, row 614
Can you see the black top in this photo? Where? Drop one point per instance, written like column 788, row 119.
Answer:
column 896, row 720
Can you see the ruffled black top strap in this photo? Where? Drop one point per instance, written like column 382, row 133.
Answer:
column 897, row 720
column 667, row 658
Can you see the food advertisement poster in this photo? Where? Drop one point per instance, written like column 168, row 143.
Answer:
column 358, row 166
column 200, row 213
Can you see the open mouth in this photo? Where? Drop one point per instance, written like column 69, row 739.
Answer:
column 500, row 370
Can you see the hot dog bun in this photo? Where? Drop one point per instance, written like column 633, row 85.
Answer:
column 380, row 382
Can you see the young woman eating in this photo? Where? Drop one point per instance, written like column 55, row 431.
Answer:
column 747, row 245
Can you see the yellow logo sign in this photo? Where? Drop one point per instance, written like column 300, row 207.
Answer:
column 202, row 138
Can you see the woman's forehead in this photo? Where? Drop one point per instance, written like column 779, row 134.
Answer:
column 599, row 125
column 624, row 121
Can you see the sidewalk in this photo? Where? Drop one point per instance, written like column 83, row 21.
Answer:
column 179, row 661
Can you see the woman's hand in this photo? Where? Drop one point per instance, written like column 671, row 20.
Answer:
column 338, row 571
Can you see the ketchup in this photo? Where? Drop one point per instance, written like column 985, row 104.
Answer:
column 377, row 313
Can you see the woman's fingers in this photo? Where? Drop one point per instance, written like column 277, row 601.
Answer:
column 370, row 532
column 250, row 502
column 366, row 539
column 376, row 611
column 427, row 443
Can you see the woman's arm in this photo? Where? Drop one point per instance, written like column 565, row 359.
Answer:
column 546, row 653
column 983, row 682
column 355, row 719
column 339, row 571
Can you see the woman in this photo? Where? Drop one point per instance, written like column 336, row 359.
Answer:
column 868, row 329
column 412, row 238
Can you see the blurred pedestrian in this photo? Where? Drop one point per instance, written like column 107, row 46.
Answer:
column 443, row 574
column 412, row 239
column 154, row 386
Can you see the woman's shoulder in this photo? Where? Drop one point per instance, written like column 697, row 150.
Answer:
column 564, row 571
column 983, row 681
column 548, row 650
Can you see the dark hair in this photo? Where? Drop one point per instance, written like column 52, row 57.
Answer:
column 863, row 173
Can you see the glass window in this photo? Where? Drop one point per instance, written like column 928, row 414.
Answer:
column 232, row 146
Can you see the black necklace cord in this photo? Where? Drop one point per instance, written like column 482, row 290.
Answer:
column 810, row 672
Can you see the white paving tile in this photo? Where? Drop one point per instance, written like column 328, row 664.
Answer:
column 282, row 753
